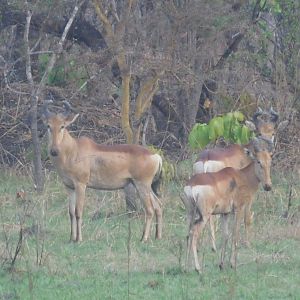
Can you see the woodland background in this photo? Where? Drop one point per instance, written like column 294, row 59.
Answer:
column 145, row 71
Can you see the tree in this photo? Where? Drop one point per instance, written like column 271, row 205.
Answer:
column 36, row 91
column 115, row 34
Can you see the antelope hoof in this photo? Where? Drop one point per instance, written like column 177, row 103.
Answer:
column 221, row 266
column 247, row 244
column 213, row 249
column 72, row 239
column 158, row 236
column 233, row 266
column 144, row 239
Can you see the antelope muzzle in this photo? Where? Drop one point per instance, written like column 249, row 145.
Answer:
column 267, row 187
column 54, row 152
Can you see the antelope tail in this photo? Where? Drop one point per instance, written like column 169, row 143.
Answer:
column 157, row 181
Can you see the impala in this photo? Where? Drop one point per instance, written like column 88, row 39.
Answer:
column 82, row 163
column 213, row 160
column 224, row 192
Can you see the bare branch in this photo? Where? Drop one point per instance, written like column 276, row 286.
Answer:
column 103, row 18
column 59, row 49
column 28, row 59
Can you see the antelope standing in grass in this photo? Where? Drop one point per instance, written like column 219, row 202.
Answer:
column 264, row 124
column 82, row 163
column 228, row 191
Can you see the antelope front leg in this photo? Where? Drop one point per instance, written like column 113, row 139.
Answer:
column 235, row 237
column 80, row 194
column 72, row 204
column 248, row 219
column 225, row 235
column 212, row 227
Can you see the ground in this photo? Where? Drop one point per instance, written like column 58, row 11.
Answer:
column 112, row 263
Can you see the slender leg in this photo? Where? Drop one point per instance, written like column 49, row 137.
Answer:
column 144, row 193
column 248, row 219
column 197, row 229
column 188, row 247
column 190, row 219
column 212, row 232
column 132, row 205
column 72, row 205
column 225, row 236
column 235, row 236
column 190, row 211
column 158, row 215
column 80, row 195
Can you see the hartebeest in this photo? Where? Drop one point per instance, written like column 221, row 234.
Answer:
column 82, row 163
column 227, row 191
column 213, row 160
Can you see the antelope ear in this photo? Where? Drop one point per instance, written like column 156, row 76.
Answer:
column 70, row 119
column 45, row 112
column 249, row 153
column 44, row 118
column 282, row 125
column 250, row 125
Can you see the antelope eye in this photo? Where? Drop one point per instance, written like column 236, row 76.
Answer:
column 62, row 127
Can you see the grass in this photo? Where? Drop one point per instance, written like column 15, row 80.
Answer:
column 112, row 263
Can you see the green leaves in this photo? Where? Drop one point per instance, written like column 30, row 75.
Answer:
column 199, row 136
column 227, row 126
column 215, row 128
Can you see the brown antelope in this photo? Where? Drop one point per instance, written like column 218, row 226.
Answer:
column 227, row 191
column 265, row 123
column 82, row 163
column 213, row 160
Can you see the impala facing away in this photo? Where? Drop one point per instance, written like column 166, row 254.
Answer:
column 213, row 160
column 81, row 163
column 227, row 191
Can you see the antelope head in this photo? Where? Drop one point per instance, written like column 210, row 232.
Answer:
column 56, row 125
column 264, row 122
column 261, row 153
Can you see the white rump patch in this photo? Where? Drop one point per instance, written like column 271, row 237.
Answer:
column 198, row 167
column 207, row 166
column 213, row 166
column 200, row 192
column 188, row 191
column 158, row 160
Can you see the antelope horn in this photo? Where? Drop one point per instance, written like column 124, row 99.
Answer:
column 258, row 113
column 45, row 109
column 274, row 115
column 68, row 108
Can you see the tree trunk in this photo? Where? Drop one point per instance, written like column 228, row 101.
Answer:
column 37, row 161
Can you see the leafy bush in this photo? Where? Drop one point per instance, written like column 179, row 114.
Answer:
column 63, row 72
column 168, row 168
column 228, row 126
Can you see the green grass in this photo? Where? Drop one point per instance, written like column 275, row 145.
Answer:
column 101, row 268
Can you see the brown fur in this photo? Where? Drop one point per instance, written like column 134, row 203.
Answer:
column 223, row 192
column 82, row 163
